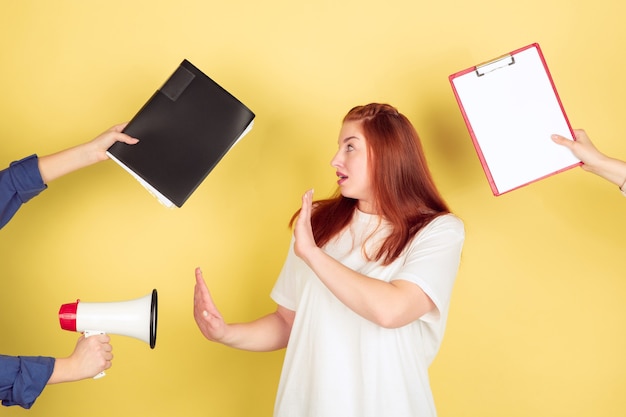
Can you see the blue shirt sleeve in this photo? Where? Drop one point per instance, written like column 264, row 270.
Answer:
column 23, row 378
column 20, row 182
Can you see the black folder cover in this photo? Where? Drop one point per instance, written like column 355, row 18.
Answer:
column 184, row 130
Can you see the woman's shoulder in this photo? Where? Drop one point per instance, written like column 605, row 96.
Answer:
column 447, row 221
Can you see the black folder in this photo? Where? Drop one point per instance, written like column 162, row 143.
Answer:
column 184, row 130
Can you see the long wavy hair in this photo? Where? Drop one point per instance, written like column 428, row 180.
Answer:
column 405, row 194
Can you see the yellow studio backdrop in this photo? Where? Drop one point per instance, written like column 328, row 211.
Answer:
column 537, row 324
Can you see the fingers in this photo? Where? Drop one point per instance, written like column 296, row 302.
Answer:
column 123, row 137
column 581, row 136
column 119, row 127
column 561, row 140
column 106, row 351
column 308, row 195
column 199, row 277
column 205, row 313
column 128, row 139
column 117, row 134
column 304, row 218
column 204, row 307
column 307, row 200
column 105, row 140
column 201, row 292
column 303, row 233
column 102, row 343
column 93, row 354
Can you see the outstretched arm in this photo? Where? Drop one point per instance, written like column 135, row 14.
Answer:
column 63, row 162
column 611, row 169
column 25, row 179
column 388, row 304
column 270, row 332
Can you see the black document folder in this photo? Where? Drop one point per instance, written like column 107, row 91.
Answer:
column 184, row 130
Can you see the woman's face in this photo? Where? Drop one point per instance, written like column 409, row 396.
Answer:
column 351, row 163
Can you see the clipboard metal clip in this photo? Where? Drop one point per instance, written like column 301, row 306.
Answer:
column 501, row 62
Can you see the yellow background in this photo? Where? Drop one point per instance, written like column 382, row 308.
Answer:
column 538, row 319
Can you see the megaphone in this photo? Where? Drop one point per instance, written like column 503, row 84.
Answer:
column 135, row 318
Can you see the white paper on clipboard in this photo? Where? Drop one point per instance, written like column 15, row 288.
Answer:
column 511, row 108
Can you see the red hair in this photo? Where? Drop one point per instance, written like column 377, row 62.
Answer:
column 404, row 191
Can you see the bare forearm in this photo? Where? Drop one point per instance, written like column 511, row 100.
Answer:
column 611, row 169
column 388, row 304
column 265, row 334
column 69, row 160
column 62, row 372
column 66, row 161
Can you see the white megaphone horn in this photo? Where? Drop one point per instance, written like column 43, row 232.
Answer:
column 135, row 318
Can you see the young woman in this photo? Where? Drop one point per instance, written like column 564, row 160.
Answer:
column 611, row 169
column 362, row 299
column 23, row 378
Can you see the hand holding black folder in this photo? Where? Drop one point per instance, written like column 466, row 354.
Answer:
column 184, row 130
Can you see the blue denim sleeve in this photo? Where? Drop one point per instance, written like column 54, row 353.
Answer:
column 20, row 182
column 23, row 378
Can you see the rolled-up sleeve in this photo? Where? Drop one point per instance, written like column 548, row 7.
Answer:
column 23, row 378
column 20, row 182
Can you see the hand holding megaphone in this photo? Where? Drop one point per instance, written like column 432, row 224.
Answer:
column 90, row 356
column 89, row 333
column 135, row 318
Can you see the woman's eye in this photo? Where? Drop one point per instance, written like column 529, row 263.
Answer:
column 349, row 148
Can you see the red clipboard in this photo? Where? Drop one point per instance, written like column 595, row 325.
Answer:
column 511, row 108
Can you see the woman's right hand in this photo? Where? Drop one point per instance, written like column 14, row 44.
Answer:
column 208, row 318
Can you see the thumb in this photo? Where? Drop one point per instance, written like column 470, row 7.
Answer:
column 560, row 140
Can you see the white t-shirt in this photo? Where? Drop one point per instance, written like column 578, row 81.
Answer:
column 337, row 363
